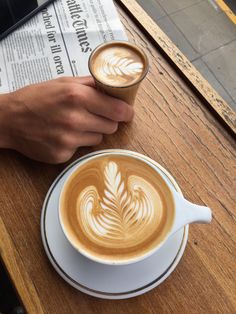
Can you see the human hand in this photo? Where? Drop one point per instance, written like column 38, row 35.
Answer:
column 50, row 120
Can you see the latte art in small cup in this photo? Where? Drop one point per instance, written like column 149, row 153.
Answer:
column 115, row 209
column 118, row 67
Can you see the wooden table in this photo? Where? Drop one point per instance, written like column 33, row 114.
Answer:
column 174, row 126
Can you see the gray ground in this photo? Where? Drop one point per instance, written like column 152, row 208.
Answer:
column 205, row 34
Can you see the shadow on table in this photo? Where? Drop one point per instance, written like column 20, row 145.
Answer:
column 9, row 300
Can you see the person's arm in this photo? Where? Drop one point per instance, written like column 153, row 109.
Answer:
column 50, row 120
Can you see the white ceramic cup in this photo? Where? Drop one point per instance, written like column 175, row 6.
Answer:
column 185, row 211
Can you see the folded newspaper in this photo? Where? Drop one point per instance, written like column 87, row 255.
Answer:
column 57, row 42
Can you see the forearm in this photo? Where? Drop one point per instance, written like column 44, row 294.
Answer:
column 5, row 120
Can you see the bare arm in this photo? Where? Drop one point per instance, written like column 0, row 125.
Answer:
column 50, row 120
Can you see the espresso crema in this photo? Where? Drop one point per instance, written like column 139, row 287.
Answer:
column 116, row 208
column 118, row 64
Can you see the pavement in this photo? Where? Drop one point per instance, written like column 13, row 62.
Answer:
column 203, row 31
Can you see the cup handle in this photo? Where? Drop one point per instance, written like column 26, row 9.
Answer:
column 187, row 212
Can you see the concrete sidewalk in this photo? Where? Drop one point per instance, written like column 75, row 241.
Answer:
column 205, row 34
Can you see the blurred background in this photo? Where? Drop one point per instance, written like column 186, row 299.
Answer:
column 205, row 31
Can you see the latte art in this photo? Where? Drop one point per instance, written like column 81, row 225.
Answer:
column 122, row 212
column 116, row 208
column 117, row 65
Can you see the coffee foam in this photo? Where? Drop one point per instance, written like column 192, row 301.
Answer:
column 118, row 65
column 114, row 208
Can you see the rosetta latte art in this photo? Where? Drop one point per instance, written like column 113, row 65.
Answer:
column 119, row 67
column 125, row 210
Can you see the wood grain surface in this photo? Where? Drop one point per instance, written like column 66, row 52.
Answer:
column 173, row 127
column 186, row 68
column 17, row 272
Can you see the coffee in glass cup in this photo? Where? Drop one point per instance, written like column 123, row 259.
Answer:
column 118, row 68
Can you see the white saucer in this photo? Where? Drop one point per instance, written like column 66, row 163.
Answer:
column 105, row 281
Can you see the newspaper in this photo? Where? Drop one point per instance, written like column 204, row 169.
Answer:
column 57, row 42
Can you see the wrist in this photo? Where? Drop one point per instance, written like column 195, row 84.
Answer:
column 5, row 120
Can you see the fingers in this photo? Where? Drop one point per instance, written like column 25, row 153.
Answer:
column 106, row 106
column 87, row 122
column 71, row 141
column 85, row 80
column 86, row 95
column 66, row 147
column 89, row 139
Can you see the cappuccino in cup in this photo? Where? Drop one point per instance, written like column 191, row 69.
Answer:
column 118, row 67
column 117, row 208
